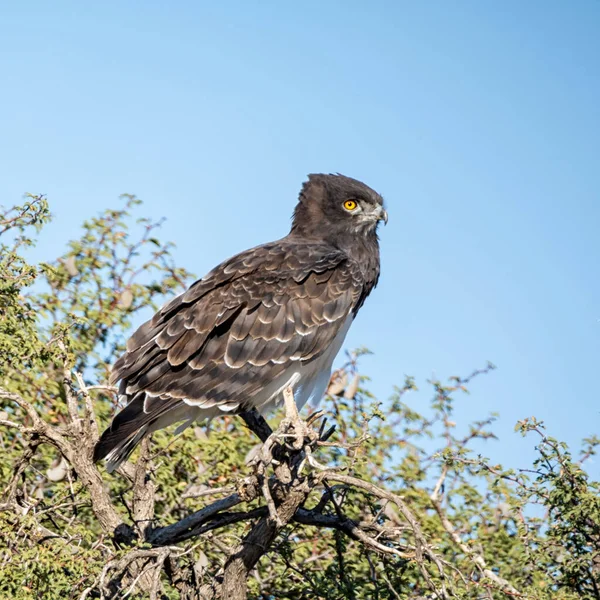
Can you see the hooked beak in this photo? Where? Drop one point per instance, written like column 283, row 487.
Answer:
column 383, row 216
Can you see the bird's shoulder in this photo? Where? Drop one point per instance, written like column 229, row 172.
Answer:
column 287, row 255
column 282, row 262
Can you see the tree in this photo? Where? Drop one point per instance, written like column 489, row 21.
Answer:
column 355, row 507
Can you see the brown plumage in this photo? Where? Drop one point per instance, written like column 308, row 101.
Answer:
column 272, row 316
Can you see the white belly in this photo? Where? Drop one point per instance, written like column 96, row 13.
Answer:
column 309, row 381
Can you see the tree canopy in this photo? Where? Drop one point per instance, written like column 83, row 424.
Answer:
column 362, row 511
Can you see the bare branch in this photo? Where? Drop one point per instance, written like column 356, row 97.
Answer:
column 39, row 426
column 90, row 424
column 70, row 395
column 163, row 536
column 350, row 528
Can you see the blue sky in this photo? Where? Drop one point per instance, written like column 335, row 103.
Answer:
column 479, row 122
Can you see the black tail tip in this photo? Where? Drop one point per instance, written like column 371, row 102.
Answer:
column 102, row 448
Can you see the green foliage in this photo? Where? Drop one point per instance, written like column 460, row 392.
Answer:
column 41, row 564
column 538, row 529
column 18, row 319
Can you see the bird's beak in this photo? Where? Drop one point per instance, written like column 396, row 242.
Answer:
column 383, row 216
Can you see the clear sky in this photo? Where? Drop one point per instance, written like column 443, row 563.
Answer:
column 479, row 122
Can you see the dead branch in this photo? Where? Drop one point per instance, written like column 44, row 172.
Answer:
column 80, row 459
column 171, row 534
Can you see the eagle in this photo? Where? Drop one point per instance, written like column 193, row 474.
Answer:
column 270, row 318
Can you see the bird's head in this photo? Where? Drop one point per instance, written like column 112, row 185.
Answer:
column 334, row 204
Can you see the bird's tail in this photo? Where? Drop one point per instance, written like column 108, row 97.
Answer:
column 130, row 426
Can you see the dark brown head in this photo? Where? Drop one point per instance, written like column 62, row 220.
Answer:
column 334, row 205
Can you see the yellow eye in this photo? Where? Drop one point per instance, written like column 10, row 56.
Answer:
column 350, row 205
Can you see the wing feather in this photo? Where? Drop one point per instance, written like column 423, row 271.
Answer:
column 236, row 330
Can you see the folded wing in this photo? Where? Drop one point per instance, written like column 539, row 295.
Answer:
column 229, row 335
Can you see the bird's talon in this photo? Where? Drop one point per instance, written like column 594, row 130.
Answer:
column 314, row 417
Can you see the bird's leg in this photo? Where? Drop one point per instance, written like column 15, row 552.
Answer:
column 257, row 424
column 301, row 429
